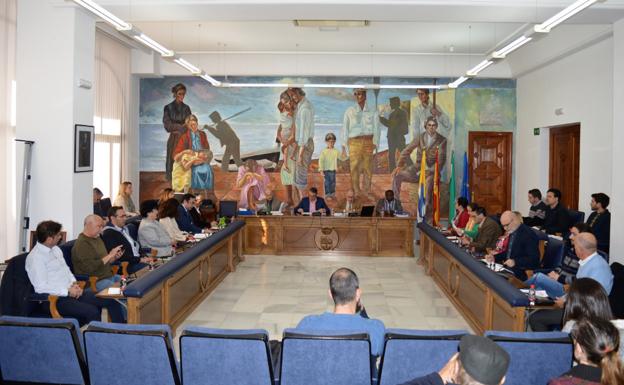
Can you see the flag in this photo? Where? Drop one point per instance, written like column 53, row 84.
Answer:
column 451, row 216
column 465, row 190
column 422, row 188
column 436, row 191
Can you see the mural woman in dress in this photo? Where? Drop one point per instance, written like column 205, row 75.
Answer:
column 174, row 116
column 286, row 136
column 253, row 182
column 192, row 156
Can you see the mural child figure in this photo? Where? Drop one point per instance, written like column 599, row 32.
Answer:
column 398, row 125
column 286, row 136
column 360, row 133
column 192, row 158
column 304, row 133
column 253, row 182
column 328, row 163
column 174, row 116
column 407, row 171
column 228, row 138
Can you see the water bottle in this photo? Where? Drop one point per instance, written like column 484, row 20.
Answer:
column 123, row 283
column 532, row 296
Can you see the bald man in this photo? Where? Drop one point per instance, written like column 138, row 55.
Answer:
column 522, row 247
column 89, row 255
column 351, row 203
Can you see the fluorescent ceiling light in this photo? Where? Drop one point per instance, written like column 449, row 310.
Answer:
column 457, row 82
column 191, row 68
column 318, row 85
column 156, row 46
column 104, row 14
column 565, row 14
column 331, row 23
column 514, row 45
column 210, row 79
column 479, row 67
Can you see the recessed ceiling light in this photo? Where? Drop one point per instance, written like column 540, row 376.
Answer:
column 331, row 23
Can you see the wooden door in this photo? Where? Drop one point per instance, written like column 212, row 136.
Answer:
column 490, row 169
column 565, row 148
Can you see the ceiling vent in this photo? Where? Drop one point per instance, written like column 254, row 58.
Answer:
column 331, row 23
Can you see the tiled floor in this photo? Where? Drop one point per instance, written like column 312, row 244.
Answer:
column 275, row 292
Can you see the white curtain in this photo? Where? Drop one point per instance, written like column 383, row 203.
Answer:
column 112, row 91
column 8, row 211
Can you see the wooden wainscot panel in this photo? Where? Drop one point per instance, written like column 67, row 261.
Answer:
column 260, row 235
column 219, row 261
column 505, row 317
column 395, row 237
column 148, row 309
column 440, row 266
column 183, row 287
column 471, row 295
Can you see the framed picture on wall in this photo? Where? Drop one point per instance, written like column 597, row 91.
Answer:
column 84, row 139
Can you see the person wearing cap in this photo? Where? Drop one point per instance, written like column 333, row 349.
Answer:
column 228, row 138
column 479, row 361
column 397, row 123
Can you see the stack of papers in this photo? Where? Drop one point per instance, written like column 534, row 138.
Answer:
column 114, row 291
column 538, row 293
column 496, row 267
column 199, row 236
column 277, row 213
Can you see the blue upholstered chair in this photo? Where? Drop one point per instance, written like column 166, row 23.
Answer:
column 410, row 354
column 120, row 354
column 41, row 350
column 225, row 357
column 320, row 358
column 535, row 357
column 553, row 254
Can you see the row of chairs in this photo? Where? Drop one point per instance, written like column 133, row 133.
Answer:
column 55, row 351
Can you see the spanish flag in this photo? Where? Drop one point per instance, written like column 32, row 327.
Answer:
column 422, row 187
column 436, row 191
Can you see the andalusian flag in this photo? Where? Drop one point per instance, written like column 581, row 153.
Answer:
column 452, row 191
column 422, row 188
column 436, row 191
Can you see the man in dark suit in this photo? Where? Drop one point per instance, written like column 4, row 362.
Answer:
column 184, row 218
column 557, row 219
column 388, row 205
column 488, row 233
column 196, row 214
column 522, row 248
column 312, row 203
column 600, row 220
column 397, row 124
column 116, row 233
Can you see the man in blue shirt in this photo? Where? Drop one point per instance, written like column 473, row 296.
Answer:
column 344, row 289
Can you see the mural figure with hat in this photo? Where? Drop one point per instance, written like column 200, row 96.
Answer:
column 228, row 138
column 174, row 116
column 192, row 156
column 397, row 124
column 360, row 132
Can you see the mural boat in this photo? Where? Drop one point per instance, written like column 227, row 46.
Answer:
column 270, row 154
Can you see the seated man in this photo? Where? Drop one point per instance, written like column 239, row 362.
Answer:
column 184, row 218
column 196, row 214
column 351, row 203
column 116, row 233
column 479, row 361
column 344, row 289
column 523, row 246
column 389, row 205
column 600, row 220
column 557, row 218
column 488, row 233
column 89, row 254
column 49, row 274
column 97, row 202
column 312, row 203
column 537, row 211
column 270, row 203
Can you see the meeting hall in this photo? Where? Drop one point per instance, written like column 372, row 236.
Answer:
column 288, row 192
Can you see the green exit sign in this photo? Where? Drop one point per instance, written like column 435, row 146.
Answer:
column 536, row 131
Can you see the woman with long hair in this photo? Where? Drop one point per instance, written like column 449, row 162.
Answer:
column 168, row 213
column 586, row 299
column 124, row 199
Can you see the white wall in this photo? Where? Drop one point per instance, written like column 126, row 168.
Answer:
column 617, row 179
column 582, row 85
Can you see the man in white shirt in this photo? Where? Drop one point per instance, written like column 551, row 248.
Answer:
column 304, row 129
column 360, row 132
column 49, row 274
column 425, row 109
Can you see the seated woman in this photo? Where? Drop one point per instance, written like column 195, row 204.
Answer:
column 192, row 156
column 596, row 344
column 168, row 213
column 165, row 195
column 472, row 226
column 151, row 233
column 461, row 216
column 124, row 199
column 253, row 182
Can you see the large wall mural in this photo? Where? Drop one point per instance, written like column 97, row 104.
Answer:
column 245, row 141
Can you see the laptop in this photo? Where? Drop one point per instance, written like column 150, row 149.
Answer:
column 367, row 211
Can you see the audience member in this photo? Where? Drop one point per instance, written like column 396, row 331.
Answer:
column 270, row 202
column 599, row 220
column 184, row 218
column 351, row 203
column 124, row 199
column 537, row 211
column 151, row 233
column 480, row 361
column 472, row 227
column 596, row 344
column 312, row 203
column 165, row 195
column 388, row 205
column 49, row 274
column 344, row 289
column 557, row 217
column 196, row 213
column 522, row 252
column 97, row 204
column 488, row 233
column 167, row 213
column 116, row 233
column 89, row 254
column 461, row 214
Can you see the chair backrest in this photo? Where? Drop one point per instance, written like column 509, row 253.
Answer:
column 616, row 297
column 603, row 255
column 227, row 208
column 41, row 350
column 553, row 254
column 105, row 205
column 225, row 357
column 320, row 358
column 410, row 354
column 120, row 354
column 66, row 248
column 576, row 217
column 133, row 230
column 535, row 357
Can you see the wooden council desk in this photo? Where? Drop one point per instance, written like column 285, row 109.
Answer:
column 328, row 235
